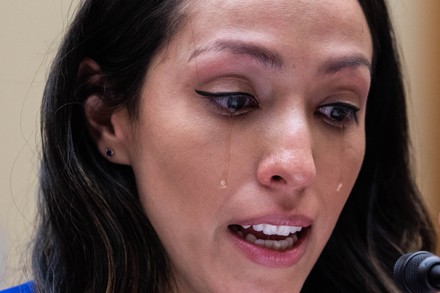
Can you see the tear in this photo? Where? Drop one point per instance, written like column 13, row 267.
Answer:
column 341, row 161
column 227, row 155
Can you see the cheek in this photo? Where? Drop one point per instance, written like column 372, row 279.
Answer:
column 343, row 167
column 338, row 169
column 338, row 159
column 177, row 166
column 352, row 156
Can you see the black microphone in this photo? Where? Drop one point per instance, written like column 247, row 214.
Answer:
column 418, row 272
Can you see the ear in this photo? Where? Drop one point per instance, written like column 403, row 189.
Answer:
column 109, row 127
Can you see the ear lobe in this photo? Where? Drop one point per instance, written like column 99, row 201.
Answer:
column 109, row 127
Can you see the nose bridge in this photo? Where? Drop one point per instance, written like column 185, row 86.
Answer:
column 288, row 161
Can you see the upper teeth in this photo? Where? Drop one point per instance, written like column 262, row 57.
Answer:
column 268, row 229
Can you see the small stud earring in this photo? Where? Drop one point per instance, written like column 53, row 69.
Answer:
column 109, row 152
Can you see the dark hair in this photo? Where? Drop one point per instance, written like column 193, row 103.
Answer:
column 93, row 235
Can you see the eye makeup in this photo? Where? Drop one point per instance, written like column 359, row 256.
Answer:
column 230, row 103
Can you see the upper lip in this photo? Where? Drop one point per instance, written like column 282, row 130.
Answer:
column 276, row 220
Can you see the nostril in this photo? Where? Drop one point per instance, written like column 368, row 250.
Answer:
column 277, row 178
column 286, row 169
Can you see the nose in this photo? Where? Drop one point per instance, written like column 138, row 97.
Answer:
column 288, row 164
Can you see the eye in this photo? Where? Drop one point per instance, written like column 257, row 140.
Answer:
column 231, row 103
column 338, row 114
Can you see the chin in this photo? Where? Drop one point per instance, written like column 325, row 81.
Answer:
column 264, row 286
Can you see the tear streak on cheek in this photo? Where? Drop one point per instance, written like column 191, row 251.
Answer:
column 227, row 155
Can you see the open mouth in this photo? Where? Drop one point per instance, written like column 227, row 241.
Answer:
column 278, row 238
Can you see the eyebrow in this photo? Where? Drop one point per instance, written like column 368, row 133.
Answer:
column 275, row 61
column 262, row 55
column 345, row 62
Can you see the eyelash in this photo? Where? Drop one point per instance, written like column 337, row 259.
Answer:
column 231, row 103
column 337, row 114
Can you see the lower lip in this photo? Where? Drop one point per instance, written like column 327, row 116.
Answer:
column 269, row 257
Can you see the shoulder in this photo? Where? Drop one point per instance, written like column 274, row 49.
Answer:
column 23, row 288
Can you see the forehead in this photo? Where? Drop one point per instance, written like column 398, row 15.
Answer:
column 284, row 22
column 308, row 15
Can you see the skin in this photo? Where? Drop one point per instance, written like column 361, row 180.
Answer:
column 282, row 157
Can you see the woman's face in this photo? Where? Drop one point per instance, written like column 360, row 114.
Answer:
column 250, row 137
